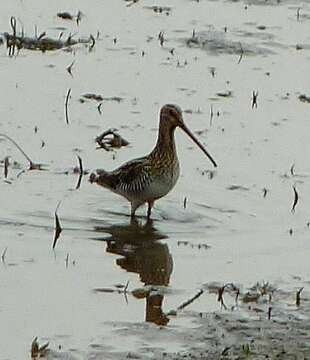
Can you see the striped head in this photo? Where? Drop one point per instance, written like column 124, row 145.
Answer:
column 171, row 114
column 171, row 117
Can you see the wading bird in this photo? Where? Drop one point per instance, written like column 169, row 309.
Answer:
column 149, row 178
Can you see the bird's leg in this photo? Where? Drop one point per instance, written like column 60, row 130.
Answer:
column 149, row 209
column 133, row 211
column 134, row 207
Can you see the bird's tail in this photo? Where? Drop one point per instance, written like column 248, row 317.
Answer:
column 102, row 178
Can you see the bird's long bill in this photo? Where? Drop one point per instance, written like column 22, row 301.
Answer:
column 189, row 133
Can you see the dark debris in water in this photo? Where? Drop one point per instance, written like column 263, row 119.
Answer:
column 98, row 97
column 238, row 187
column 191, row 111
column 259, row 292
column 119, row 289
column 226, row 94
column 68, row 16
column 43, row 44
column 91, row 96
column 159, row 9
column 114, row 98
column 261, row 2
column 304, row 98
column 65, row 15
column 218, row 42
column 111, row 139
column 40, row 42
column 192, row 245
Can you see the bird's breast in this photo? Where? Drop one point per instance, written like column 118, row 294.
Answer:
column 160, row 183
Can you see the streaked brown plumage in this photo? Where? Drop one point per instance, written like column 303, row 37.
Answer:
column 151, row 177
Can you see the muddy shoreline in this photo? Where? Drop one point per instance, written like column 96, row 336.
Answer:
column 272, row 327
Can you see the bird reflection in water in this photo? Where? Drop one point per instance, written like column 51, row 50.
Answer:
column 143, row 254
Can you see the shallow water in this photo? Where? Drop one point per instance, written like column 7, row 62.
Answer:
column 229, row 232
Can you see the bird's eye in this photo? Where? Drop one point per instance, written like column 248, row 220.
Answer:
column 171, row 113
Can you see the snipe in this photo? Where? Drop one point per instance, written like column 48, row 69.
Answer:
column 147, row 179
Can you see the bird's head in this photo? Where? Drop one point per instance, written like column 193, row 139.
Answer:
column 171, row 117
column 172, row 114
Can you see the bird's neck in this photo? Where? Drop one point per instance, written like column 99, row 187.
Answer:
column 165, row 141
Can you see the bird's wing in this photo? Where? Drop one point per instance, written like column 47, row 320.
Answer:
column 134, row 174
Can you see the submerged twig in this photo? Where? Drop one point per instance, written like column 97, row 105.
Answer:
column 58, row 228
column 161, row 38
column 298, row 296
column 126, row 286
column 189, row 301
column 121, row 289
column 67, row 260
column 66, row 106
column 221, row 292
column 3, row 255
column 241, row 54
column 69, row 68
column 78, row 18
column 125, row 292
column 32, row 165
column 295, row 199
column 220, row 297
column 254, row 99
column 99, row 108
column 18, row 147
column 6, row 166
column 237, row 296
column 269, row 312
column 265, row 191
column 81, row 171
column 41, row 36
column 93, row 42
column 11, row 42
column 211, row 114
